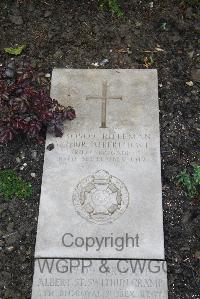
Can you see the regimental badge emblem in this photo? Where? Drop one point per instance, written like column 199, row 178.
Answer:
column 101, row 198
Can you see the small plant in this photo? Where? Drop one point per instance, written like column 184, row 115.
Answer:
column 26, row 109
column 11, row 185
column 148, row 61
column 15, row 51
column 163, row 26
column 113, row 6
column 190, row 182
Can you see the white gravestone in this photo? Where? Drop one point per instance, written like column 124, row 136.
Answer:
column 101, row 189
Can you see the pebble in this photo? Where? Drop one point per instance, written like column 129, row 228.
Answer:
column 10, row 227
column 187, row 100
column 104, row 61
column 6, row 275
column 11, row 65
column 47, row 13
column 138, row 24
column 23, row 166
column 189, row 13
column 34, row 154
column 33, row 174
column 18, row 160
column 17, row 20
column 58, row 54
column 195, row 75
column 186, row 217
column 9, row 73
column 197, row 27
column 22, row 155
column 50, row 147
column 31, row 7
column 48, row 76
column 151, row 4
column 176, row 37
column 34, row 63
column 197, row 255
column 12, row 238
column 10, row 248
column 189, row 83
column 191, row 54
column 96, row 64
column 3, row 207
column 186, row 248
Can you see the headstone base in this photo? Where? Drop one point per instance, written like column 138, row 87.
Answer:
column 102, row 279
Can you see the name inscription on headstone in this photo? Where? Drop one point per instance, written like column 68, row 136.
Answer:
column 101, row 147
column 99, row 279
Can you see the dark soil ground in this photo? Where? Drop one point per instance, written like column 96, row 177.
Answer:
column 75, row 34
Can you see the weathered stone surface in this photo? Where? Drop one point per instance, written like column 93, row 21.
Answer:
column 17, row 20
column 195, row 75
column 101, row 190
column 91, row 279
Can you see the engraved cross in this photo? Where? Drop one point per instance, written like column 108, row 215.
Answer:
column 104, row 99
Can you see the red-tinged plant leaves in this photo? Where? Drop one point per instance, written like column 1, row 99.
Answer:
column 46, row 116
column 19, row 124
column 69, row 113
column 6, row 135
column 59, row 130
column 40, row 139
column 25, row 110
column 19, row 105
column 34, row 129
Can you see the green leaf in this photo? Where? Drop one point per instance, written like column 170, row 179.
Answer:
column 190, row 183
column 113, row 6
column 11, row 185
column 196, row 175
column 15, row 51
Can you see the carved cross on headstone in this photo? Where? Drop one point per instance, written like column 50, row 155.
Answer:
column 104, row 99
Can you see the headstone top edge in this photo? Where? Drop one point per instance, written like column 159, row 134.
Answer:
column 100, row 70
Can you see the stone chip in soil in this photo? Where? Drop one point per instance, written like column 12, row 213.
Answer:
column 47, row 13
column 17, row 20
column 195, row 73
